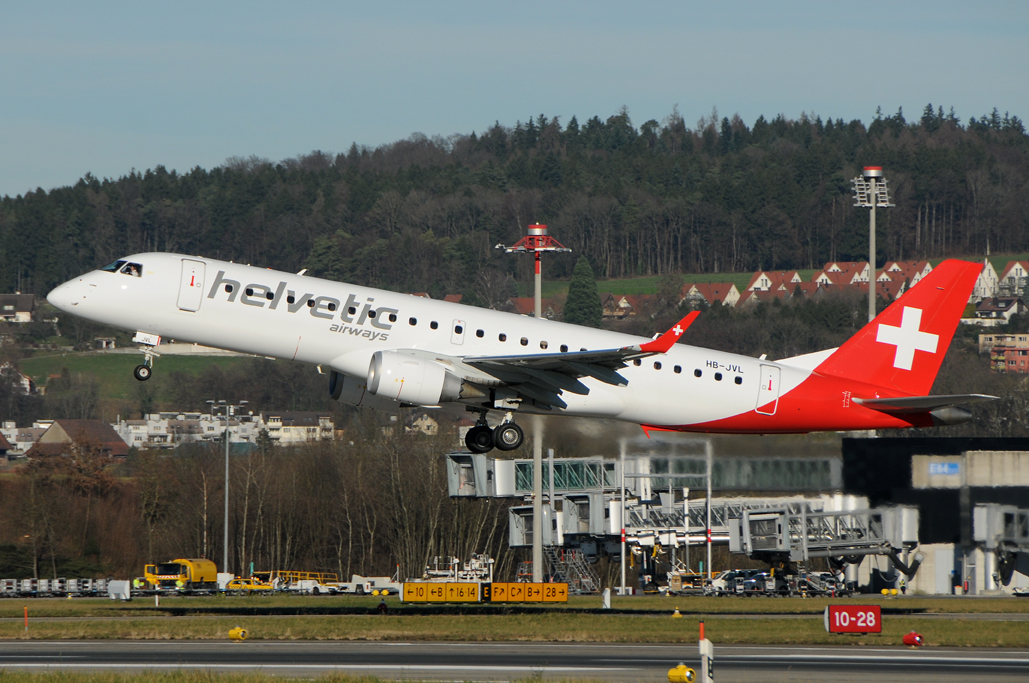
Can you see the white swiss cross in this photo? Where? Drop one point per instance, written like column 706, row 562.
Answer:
column 907, row 338
column 677, row 330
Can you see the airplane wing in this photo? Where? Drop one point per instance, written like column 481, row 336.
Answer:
column 542, row 377
column 920, row 404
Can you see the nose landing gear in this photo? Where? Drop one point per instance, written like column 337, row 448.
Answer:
column 507, row 436
column 147, row 344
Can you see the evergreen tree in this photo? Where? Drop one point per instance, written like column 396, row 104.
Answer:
column 583, row 304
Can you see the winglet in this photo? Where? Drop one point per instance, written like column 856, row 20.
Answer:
column 663, row 343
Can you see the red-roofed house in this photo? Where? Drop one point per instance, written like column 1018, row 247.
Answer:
column 453, row 298
column 767, row 280
column 711, row 293
column 1013, row 278
column 526, row 305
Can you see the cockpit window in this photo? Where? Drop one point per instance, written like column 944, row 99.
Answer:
column 113, row 267
column 134, row 269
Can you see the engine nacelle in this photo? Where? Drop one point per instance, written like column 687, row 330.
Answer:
column 355, row 392
column 410, row 379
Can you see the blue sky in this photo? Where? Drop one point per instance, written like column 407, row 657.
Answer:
column 106, row 87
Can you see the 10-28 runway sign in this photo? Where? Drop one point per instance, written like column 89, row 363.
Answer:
column 853, row 619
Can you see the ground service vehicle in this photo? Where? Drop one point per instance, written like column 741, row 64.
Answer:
column 249, row 586
column 182, row 574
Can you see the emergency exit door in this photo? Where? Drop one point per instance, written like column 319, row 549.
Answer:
column 191, row 286
column 768, row 390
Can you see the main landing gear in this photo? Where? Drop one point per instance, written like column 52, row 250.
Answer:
column 147, row 344
column 506, row 436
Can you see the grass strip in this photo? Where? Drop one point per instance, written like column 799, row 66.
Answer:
column 339, row 605
column 554, row 627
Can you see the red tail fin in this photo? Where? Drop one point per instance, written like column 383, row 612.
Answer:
column 903, row 347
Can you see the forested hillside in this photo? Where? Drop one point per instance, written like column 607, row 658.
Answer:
column 424, row 214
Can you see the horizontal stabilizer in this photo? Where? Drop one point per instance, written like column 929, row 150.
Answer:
column 920, row 404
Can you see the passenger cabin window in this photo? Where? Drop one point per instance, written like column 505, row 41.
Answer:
column 718, row 377
column 543, row 344
column 677, row 369
column 352, row 310
column 637, row 362
column 502, row 337
column 412, row 321
column 697, row 373
column 525, row 341
column 434, row 325
column 458, row 329
column 392, row 317
column 564, row 348
column 289, row 299
column 738, row 380
column 480, row 334
column 657, row 365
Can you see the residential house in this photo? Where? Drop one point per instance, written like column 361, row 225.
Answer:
column 20, row 380
column 65, row 436
column 22, row 438
column 621, row 307
column 711, row 293
column 422, row 423
column 987, row 285
column 766, row 281
column 1015, row 341
column 17, row 307
column 292, row 427
column 758, row 296
column 995, row 311
column 526, row 305
column 1013, row 279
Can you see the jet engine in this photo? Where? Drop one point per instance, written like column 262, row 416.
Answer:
column 355, row 392
column 410, row 379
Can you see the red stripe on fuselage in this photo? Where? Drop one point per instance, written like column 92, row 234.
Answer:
column 818, row 404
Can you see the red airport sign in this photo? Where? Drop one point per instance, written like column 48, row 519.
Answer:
column 853, row 619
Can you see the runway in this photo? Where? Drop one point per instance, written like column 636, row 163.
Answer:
column 509, row 661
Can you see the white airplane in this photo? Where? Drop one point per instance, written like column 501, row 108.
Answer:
column 388, row 350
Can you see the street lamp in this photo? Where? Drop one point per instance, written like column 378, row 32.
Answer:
column 230, row 409
column 870, row 191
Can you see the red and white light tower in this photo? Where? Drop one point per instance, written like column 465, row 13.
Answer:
column 870, row 191
column 536, row 242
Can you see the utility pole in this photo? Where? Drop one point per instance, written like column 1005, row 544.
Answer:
column 230, row 409
column 535, row 243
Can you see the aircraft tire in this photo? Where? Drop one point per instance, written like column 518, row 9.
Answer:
column 508, row 436
column 142, row 372
column 479, row 439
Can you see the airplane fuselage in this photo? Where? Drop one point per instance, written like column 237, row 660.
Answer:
column 340, row 326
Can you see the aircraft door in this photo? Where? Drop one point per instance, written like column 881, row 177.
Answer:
column 457, row 332
column 191, row 286
column 768, row 390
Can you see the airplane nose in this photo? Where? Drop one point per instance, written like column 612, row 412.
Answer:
column 65, row 297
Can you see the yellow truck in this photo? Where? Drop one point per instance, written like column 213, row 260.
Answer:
column 182, row 574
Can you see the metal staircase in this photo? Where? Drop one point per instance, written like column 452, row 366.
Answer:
column 570, row 566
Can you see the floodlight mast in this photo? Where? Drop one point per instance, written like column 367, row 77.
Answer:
column 870, row 191
column 535, row 243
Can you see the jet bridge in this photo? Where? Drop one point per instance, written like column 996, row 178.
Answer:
column 781, row 535
column 1003, row 531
